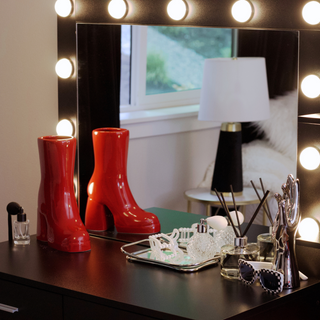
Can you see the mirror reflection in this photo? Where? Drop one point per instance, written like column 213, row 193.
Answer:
column 162, row 166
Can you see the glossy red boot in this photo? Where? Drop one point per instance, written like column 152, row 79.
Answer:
column 110, row 201
column 59, row 221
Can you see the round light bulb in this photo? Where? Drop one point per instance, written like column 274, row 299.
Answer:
column 242, row 11
column 311, row 12
column 309, row 229
column 63, row 8
column 310, row 158
column 64, row 68
column 65, row 128
column 310, row 86
column 177, row 9
column 117, row 8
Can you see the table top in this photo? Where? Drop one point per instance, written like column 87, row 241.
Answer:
column 203, row 195
column 104, row 276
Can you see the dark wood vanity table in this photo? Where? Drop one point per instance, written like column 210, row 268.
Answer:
column 47, row 284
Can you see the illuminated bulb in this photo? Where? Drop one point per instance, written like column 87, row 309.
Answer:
column 65, row 128
column 309, row 229
column 242, row 11
column 311, row 12
column 63, row 8
column 177, row 9
column 64, row 68
column 117, row 8
column 310, row 86
column 310, row 158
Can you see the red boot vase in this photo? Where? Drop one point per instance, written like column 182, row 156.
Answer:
column 59, row 222
column 110, row 201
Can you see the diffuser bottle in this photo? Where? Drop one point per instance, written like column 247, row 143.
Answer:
column 21, row 234
column 201, row 246
column 230, row 254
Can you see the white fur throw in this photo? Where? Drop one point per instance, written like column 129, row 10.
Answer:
column 281, row 127
column 271, row 160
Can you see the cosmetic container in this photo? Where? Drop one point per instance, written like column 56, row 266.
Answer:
column 21, row 234
column 266, row 244
column 202, row 245
column 230, row 254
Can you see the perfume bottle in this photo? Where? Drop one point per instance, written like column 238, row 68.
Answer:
column 21, row 234
column 202, row 245
column 230, row 254
column 266, row 244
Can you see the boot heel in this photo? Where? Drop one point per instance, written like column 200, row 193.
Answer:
column 42, row 227
column 98, row 216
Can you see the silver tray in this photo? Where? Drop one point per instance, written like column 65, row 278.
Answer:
column 185, row 265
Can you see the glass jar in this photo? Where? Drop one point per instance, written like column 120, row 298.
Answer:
column 201, row 246
column 230, row 254
column 266, row 244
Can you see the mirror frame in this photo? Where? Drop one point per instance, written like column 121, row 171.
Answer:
column 268, row 15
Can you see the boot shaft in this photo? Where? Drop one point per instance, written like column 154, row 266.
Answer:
column 110, row 147
column 57, row 157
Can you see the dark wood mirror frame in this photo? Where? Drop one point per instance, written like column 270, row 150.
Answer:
column 268, row 15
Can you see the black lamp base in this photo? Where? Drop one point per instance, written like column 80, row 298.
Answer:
column 228, row 165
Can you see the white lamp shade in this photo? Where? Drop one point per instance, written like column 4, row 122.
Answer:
column 234, row 90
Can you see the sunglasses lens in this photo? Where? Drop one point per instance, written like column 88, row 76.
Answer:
column 269, row 280
column 246, row 272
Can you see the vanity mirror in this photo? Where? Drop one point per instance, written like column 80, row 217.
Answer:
column 267, row 15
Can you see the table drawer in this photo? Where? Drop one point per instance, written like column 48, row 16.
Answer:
column 84, row 310
column 31, row 303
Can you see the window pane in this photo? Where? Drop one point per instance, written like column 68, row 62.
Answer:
column 175, row 56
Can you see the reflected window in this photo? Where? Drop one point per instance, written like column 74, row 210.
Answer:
column 167, row 64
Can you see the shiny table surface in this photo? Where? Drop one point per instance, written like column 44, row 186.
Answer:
column 104, row 276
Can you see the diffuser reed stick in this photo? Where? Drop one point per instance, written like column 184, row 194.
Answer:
column 267, row 213
column 235, row 208
column 225, row 207
column 256, row 212
column 262, row 187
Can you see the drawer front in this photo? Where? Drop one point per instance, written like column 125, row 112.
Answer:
column 31, row 303
column 84, row 310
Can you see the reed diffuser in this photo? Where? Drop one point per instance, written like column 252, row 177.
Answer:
column 240, row 249
column 265, row 241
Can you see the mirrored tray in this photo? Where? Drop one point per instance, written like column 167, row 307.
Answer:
column 184, row 263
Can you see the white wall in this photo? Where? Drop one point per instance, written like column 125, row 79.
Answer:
column 28, row 99
column 160, row 168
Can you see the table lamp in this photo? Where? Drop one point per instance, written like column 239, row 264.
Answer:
column 234, row 90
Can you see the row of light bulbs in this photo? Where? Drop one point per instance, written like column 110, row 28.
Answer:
column 242, row 10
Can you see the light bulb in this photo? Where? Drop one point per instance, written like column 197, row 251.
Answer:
column 63, row 8
column 310, row 86
column 65, row 128
column 311, row 12
column 310, row 158
column 177, row 9
column 242, row 11
column 64, row 68
column 309, row 229
column 117, row 8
